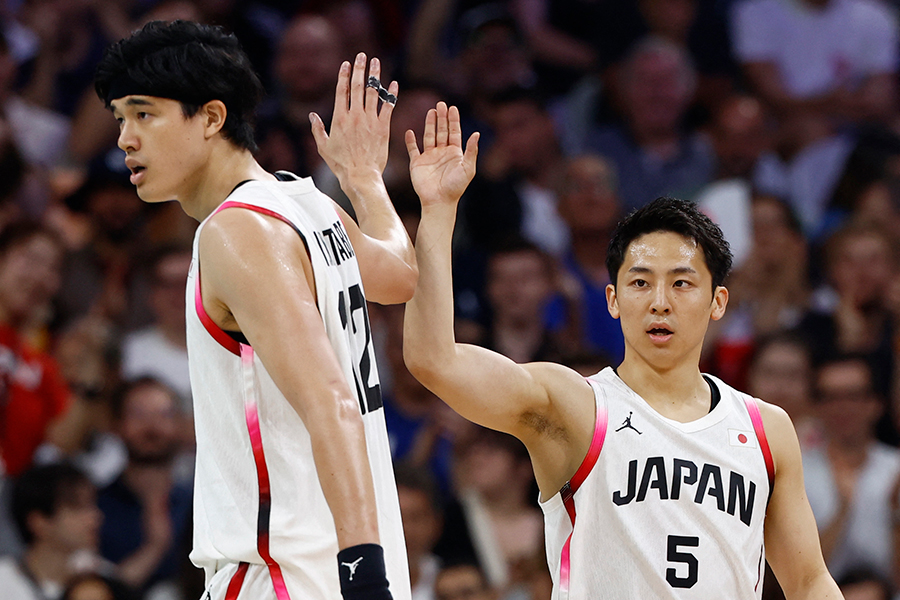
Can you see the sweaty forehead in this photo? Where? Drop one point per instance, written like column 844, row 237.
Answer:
column 664, row 250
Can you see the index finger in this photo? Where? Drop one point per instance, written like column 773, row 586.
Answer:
column 341, row 98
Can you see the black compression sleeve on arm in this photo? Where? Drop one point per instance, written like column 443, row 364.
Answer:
column 362, row 572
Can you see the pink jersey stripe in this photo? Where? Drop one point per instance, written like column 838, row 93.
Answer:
column 756, row 418
column 237, row 581
column 225, row 340
column 568, row 490
column 214, row 330
column 251, row 412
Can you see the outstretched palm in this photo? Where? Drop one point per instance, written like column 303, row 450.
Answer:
column 441, row 171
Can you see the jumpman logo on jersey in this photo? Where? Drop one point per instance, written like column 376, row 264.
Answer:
column 627, row 424
column 352, row 566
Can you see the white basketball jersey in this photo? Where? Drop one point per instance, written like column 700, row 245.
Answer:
column 257, row 497
column 663, row 509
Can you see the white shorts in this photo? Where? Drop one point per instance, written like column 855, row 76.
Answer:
column 243, row 581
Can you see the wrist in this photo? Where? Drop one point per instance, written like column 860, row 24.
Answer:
column 362, row 573
column 359, row 181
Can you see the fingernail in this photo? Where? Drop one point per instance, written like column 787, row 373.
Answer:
column 361, row 57
column 312, row 117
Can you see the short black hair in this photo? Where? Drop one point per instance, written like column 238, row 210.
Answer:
column 43, row 489
column 677, row 216
column 190, row 62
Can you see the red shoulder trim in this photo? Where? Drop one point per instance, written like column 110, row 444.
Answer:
column 756, row 418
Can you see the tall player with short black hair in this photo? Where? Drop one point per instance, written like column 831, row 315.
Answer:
column 293, row 462
column 657, row 481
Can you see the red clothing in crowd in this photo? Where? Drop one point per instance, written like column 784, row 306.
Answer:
column 32, row 394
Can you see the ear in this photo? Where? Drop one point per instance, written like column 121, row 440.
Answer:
column 719, row 302
column 37, row 524
column 612, row 301
column 213, row 114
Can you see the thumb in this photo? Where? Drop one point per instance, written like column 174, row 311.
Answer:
column 318, row 130
column 471, row 153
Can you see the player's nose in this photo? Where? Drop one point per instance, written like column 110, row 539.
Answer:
column 660, row 302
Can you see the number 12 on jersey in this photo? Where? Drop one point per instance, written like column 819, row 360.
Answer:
column 677, row 554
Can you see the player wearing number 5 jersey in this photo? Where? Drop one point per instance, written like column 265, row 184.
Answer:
column 656, row 481
column 294, row 492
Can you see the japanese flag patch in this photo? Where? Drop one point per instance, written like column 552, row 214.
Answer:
column 747, row 439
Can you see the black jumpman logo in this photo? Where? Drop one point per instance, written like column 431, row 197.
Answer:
column 627, row 424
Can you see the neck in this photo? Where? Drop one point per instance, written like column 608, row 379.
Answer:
column 174, row 333
column 47, row 563
column 678, row 392
column 226, row 168
column 518, row 340
column 852, row 453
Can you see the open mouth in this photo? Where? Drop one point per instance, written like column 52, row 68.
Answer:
column 660, row 333
column 136, row 174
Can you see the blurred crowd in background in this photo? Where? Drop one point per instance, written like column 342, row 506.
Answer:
column 780, row 118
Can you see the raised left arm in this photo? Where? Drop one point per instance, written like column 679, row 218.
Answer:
column 356, row 150
column 792, row 540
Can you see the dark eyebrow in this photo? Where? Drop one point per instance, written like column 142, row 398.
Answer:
column 132, row 102
column 637, row 269
column 683, row 271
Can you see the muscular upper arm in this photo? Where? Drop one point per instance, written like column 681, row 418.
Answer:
column 547, row 406
column 792, row 540
column 256, row 274
column 388, row 277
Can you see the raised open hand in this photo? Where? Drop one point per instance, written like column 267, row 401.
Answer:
column 357, row 145
column 441, row 172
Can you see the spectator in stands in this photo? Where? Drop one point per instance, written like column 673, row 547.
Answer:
column 160, row 350
column 852, row 314
column 864, row 584
column 463, row 581
column 652, row 153
column 146, row 511
column 589, row 205
column 823, row 67
column 92, row 586
column 55, row 510
column 851, row 478
column 98, row 271
column 781, row 371
column 34, row 398
column 516, row 189
column 309, row 53
column 521, row 282
column 420, row 507
column 741, row 138
column 496, row 491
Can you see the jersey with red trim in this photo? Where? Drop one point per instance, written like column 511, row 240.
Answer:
column 258, row 499
column 669, row 510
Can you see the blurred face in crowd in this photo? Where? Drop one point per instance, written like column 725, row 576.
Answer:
column 92, row 588
column 862, row 268
column 114, row 209
column 773, row 236
column 781, row 374
column 739, row 137
column 461, row 582
column 846, row 402
column 167, row 293
column 672, row 18
column 29, row 276
column 75, row 525
column 149, row 424
column 421, row 522
column 495, row 59
column 308, row 58
column 519, row 285
column 525, row 133
column 589, row 202
column 656, row 90
column 408, row 115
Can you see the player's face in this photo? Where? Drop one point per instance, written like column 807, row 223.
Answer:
column 163, row 148
column 664, row 299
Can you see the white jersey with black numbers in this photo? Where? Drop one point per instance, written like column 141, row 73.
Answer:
column 662, row 509
column 257, row 496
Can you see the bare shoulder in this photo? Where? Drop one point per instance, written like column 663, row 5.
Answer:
column 246, row 235
column 780, row 433
column 564, row 427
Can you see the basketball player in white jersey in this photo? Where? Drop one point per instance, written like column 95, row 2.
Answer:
column 294, row 492
column 656, row 481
